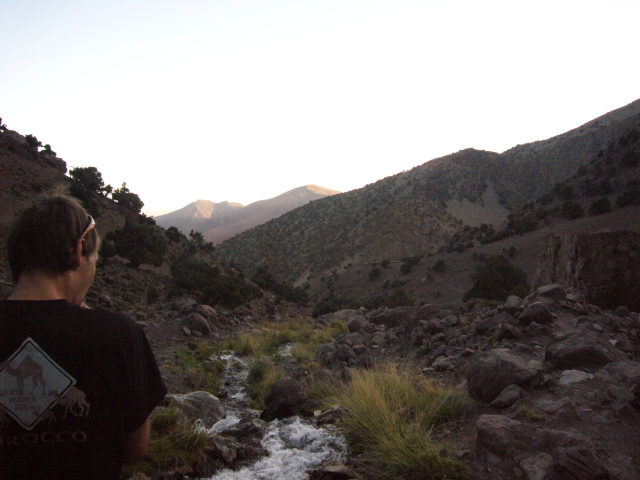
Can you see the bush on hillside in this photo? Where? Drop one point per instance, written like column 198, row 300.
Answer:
column 264, row 279
column 571, row 210
column 89, row 177
column 602, row 205
column 211, row 283
column 125, row 197
column 88, row 202
column 139, row 243
column 496, row 279
column 175, row 235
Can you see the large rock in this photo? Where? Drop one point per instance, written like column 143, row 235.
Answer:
column 536, row 312
column 502, row 439
column 395, row 317
column 491, row 372
column 581, row 349
column 285, row 399
column 196, row 323
column 198, row 405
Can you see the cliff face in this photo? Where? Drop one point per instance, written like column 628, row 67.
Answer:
column 603, row 265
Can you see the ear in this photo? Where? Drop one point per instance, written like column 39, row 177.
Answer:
column 76, row 253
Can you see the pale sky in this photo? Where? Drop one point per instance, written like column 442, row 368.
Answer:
column 244, row 100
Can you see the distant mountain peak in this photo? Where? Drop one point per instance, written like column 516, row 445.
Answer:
column 219, row 221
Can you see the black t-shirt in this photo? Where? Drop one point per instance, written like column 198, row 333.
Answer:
column 73, row 382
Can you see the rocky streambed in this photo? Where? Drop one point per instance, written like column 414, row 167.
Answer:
column 554, row 384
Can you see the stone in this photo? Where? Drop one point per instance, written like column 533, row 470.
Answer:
column 580, row 349
column 539, row 467
column 512, row 304
column 352, row 339
column 332, row 472
column 358, row 324
column 198, row 405
column 555, row 292
column 577, row 463
column 507, row 397
column 491, row 372
column 569, row 377
column 196, row 322
column 206, row 311
column 487, row 324
column 536, row 312
column 285, row 399
column 394, row 317
column 535, row 329
column 247, row 427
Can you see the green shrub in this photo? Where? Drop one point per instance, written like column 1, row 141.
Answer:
column 264, row 279
column 602, row 205
column 571, row 210
column 201, row 368
column 374, row 274
column 263, row 373
column 174, row 440
column 497, row 278
column 214, row 286
column 89, row 177
column 139, row 243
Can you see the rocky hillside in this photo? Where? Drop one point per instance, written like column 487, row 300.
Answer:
column 555, row 381
column 423, row 212
column 220, row 221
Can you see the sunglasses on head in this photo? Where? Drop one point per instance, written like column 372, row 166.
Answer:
column 91, row 226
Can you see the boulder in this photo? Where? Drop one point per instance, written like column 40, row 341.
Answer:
column 285, row 399
column 394, row 317
column 507, row 397
column 536, row 312
column 499, row 437
column 358, row 324
column 196, row 322
column 581, row 349
column 198, row 405
column 512, row 304
column 491, row 372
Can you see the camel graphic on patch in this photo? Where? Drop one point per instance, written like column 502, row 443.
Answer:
column 73, row 398
column 32, row 384
column 28, row 368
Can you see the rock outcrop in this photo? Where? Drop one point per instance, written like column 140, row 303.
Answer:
column 602, row 265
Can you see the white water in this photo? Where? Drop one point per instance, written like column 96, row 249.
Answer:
column 295, row 445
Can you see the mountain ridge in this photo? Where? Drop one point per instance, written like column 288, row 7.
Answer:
column 219, row 221
column 415, row 213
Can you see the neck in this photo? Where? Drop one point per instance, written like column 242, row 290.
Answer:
column 38, row 286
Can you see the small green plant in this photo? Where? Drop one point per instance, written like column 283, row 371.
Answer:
column 263, row 373
column 174, row 440
column 201, row 367
column 528, row 414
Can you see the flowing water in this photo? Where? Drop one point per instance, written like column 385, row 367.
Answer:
column 294, row 444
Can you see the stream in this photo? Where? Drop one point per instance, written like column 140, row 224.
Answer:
column 295, row 445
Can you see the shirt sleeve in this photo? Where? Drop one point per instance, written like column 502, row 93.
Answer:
column 146, row 389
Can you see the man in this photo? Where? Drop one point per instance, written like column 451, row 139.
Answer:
column 76, row 385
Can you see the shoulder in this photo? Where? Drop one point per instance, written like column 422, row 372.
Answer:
column 103, row 322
